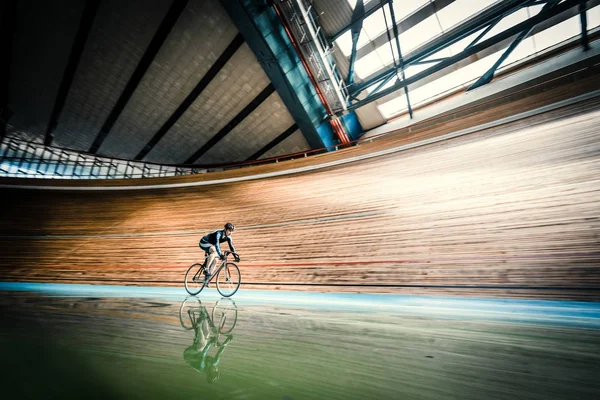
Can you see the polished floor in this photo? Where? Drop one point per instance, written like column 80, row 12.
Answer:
column 80, row 341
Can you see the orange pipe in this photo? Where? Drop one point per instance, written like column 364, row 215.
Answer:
column 335, row 124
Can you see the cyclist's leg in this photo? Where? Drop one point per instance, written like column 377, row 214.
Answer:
column 211, row 260
column 206, row 247
column 204, row 329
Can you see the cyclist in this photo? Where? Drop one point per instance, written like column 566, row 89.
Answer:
column 210, row 244
column 197, row 356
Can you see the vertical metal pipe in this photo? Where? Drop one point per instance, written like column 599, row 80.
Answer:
column 583, row 19
column 355, row 30
column 400, row 58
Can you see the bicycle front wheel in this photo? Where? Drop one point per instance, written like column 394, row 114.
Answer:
column 194, row 279
column 228, row 280
column 224, row 315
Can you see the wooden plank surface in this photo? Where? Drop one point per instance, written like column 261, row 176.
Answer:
column 510, row 211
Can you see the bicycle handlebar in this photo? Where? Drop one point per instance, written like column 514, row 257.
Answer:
column 236, row 255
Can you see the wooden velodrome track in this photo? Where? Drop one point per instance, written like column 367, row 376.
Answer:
column 507, row 211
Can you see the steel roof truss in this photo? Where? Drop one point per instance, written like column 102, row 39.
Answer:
column 508, row 33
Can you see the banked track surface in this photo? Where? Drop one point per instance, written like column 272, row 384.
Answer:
column 509, row 211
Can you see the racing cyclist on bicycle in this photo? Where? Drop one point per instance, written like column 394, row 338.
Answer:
column 210, row 244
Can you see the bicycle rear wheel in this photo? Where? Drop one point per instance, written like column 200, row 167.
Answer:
column 187, row 318
column 228, row 280
column 194, row 279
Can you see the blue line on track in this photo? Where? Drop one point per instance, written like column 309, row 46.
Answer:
column 547, row 312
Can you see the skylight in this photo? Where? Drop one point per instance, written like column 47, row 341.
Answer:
column 464, row 76
column 460, row 10
column 373, row 60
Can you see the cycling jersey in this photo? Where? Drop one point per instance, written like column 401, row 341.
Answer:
column 214, row 238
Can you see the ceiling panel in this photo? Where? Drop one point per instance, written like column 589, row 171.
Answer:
column 295, row 143
column 200, row 36
column 39, row 60
column 119, row 36
column 234, row 87
column 257, row 130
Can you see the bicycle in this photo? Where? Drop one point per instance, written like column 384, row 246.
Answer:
column 228, row 277
column 209, row 332
column 223, row 316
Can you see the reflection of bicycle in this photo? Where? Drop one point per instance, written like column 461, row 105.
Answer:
column 207, row 331
column 228, row 277
column 221, row 321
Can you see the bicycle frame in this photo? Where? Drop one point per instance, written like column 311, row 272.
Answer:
column 221, row 266
column 199, row 314
column 224, row 313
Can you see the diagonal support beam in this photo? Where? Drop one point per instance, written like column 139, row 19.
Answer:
column 356, row 29
column 400, row 58
column 458, row 33
column 369, row 10
column 85, row 25
column 583, row 20
column 418, row 16
column 288, row 132
column 235, row 44
column 253, row 105
column 489, row 74
column 160, row 36
column 515, row 30
column 500, row 46
column 266, row 38
column 485, row 31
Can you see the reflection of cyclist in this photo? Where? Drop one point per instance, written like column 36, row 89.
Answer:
column 210, row 244
column 197, row 356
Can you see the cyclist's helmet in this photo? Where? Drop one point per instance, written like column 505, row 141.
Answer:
column 229, row 227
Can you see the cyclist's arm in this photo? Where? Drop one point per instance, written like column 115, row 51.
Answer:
column 217, row 246
column 230, row 242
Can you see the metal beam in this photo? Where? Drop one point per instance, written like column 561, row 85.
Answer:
column 257, row 101
column 460, row 32
column 288, row 132
column 550, row 22
column 381, row 84
column 489, row 74
column 430, row 61
column 235, row 44
column 85, row 25
column 371, row 8
column 410, row 21
column 359, row 9
column 160, row 36
column 583, row 20
column 542, row 16
column 485, row 31
column 400, row 59
column 266, row 38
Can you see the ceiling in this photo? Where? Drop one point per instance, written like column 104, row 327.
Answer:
column 164, row 81
column 179, row 81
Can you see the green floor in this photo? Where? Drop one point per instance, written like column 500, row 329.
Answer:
column 145, row 348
